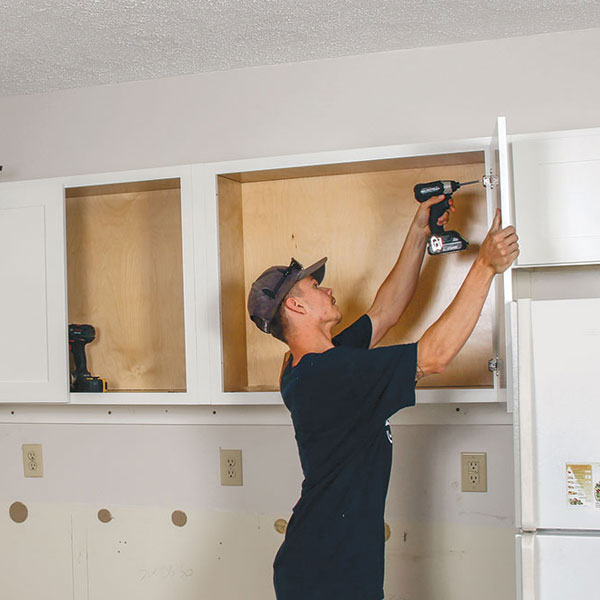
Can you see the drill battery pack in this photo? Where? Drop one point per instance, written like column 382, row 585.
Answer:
column 89, row 383
column 448, row 241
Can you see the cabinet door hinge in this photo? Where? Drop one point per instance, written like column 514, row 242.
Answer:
column 494, row 365
column 490, row 181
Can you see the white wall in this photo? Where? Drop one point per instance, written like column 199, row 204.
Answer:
column 142, row 473
column 539, row 83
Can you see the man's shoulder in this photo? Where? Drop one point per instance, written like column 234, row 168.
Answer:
column 358, row 334
column 317, row 370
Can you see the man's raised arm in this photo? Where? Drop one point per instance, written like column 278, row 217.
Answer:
column 443, row 340
column 396, row 292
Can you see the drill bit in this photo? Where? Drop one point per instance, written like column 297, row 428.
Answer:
column 470, row 182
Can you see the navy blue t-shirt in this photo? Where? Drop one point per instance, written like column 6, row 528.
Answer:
column 340, row 401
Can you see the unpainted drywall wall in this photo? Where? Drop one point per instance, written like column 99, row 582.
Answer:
column 141, row 475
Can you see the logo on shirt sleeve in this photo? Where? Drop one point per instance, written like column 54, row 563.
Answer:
column 388, row 431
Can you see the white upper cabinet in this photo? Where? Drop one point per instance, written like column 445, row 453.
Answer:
column 556, row 197
column 114, row 251
column 33, row 314
column 131, row 275
column 354, row 207
column 160, row 262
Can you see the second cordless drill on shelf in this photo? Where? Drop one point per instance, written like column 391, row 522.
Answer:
column 81, row 379
column 441, row 242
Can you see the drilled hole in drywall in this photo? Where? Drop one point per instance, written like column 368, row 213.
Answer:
column 104, row 515
column 110, row 412
column 12, row 412
column 214, row 412
column 280, row 525
column 458, row 410
column 18, row 512
column 179, row 518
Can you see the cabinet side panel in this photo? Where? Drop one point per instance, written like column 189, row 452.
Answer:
column 359, row 221
column 233, row 295
column 125, row 278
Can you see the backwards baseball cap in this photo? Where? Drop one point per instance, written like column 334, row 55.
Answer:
column 269, row 290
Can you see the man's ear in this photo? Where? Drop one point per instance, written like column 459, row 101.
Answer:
column 294, row 305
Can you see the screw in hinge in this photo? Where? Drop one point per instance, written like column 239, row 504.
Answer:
column 494, row 364
column 490, row 181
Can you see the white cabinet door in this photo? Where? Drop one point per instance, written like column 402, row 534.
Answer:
column 556, row 197
column 498, row 183
column 558, row 457
column 34, row 363
column 555, row 566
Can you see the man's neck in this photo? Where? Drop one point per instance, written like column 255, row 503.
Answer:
column 309, row 342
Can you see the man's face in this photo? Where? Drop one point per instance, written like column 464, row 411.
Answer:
column 318, row 301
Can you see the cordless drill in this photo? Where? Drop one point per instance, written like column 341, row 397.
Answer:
column 441, row 242
column 81, row 380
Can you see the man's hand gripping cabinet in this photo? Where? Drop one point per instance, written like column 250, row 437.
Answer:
column 441, row 242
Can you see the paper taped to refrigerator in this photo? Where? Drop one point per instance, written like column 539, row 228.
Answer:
column 583, row 484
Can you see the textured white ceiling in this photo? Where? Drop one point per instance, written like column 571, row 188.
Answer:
column 54, row 44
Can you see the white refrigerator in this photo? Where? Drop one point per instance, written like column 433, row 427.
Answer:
column 557, row 449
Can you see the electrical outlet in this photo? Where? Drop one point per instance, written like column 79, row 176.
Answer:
column 231, row 467
column 32, row 460
column 473, row 471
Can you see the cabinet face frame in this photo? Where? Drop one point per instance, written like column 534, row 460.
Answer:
column 207, row 174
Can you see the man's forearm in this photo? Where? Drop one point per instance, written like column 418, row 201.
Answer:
column 396, row 292
column 444, row 339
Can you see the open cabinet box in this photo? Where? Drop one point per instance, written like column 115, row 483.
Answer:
column 125, row 277
column 357, row 214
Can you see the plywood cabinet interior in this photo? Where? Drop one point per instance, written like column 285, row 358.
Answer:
column 357, row 215
column 125, row 277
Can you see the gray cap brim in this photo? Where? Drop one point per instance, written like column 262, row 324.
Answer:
column 317, row 270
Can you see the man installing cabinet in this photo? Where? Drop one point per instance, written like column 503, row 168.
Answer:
column 341, row 391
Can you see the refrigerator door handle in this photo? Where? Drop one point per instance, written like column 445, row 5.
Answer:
column 525, row 554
